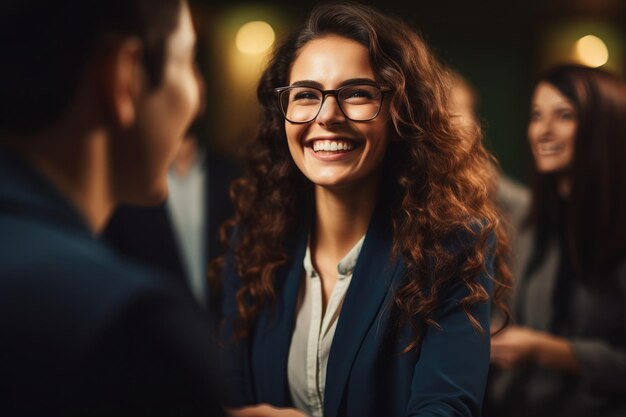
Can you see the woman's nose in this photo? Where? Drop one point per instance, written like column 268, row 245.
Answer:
column 542, row 127
column 330, row 113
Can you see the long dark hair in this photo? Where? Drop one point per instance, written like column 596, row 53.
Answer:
column 594, row 216
column 441, row 179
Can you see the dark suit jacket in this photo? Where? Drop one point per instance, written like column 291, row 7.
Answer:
column 146, row 234
column 367, row 375
column 81, row 331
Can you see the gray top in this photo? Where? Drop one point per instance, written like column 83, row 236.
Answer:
column 596, row 328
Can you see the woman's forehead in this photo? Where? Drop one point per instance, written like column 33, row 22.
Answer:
column 331, row 60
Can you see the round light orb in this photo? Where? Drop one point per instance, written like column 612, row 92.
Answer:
column 255, row 37
column 592, row 51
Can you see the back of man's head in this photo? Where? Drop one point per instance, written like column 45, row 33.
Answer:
column 46, row 45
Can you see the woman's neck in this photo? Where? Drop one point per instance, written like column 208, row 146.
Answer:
column 564, row 187
column 341, row 218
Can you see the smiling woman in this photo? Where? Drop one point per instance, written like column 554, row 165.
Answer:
column 366, row 251
column 566, row 356
column 552, row 129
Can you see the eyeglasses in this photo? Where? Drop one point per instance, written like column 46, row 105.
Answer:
column 358, row 102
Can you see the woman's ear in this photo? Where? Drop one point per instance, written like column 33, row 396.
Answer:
column 123, row 80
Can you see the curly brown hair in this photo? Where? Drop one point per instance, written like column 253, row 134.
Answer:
column 440, row 177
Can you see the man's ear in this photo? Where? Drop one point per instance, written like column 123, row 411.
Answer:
column 123, row 80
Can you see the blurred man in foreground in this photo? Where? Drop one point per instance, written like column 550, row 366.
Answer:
column 96, row 98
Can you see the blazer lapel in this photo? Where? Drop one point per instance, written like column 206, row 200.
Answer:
column 370, row 283
column 274, row 331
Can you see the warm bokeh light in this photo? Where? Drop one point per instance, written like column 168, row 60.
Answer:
column 255, row 37
column 592, row 51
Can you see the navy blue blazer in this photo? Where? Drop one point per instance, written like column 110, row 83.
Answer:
column 83, row 332
column 367, row 373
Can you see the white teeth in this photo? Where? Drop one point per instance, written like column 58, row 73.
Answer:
column 550, row 148
column 332, row 146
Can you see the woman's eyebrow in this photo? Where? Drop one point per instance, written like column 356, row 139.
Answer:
column 307, row 83
column 357, row 81
column 311, row 83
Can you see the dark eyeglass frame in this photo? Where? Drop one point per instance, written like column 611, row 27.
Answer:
column 384, row 88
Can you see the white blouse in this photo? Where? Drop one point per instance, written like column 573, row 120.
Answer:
column 314, row 331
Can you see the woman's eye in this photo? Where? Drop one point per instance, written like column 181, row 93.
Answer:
column 535, row 115
column 567, row 116
column 305, row 95
column 361, row 93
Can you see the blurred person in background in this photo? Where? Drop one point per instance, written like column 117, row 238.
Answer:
column 512, row 197
column 566, row 353
column 365, row 238
column 95, row 99
column 180, row 236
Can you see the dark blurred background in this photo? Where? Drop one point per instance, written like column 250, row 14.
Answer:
column 498, row 46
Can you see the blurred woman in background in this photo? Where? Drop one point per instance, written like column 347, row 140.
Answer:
column 566, row 355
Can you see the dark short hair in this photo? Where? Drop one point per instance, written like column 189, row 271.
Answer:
column 45, row 46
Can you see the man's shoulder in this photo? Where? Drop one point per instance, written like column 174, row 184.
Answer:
column 40, row 261
column 80, row 321
column 73, row 283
